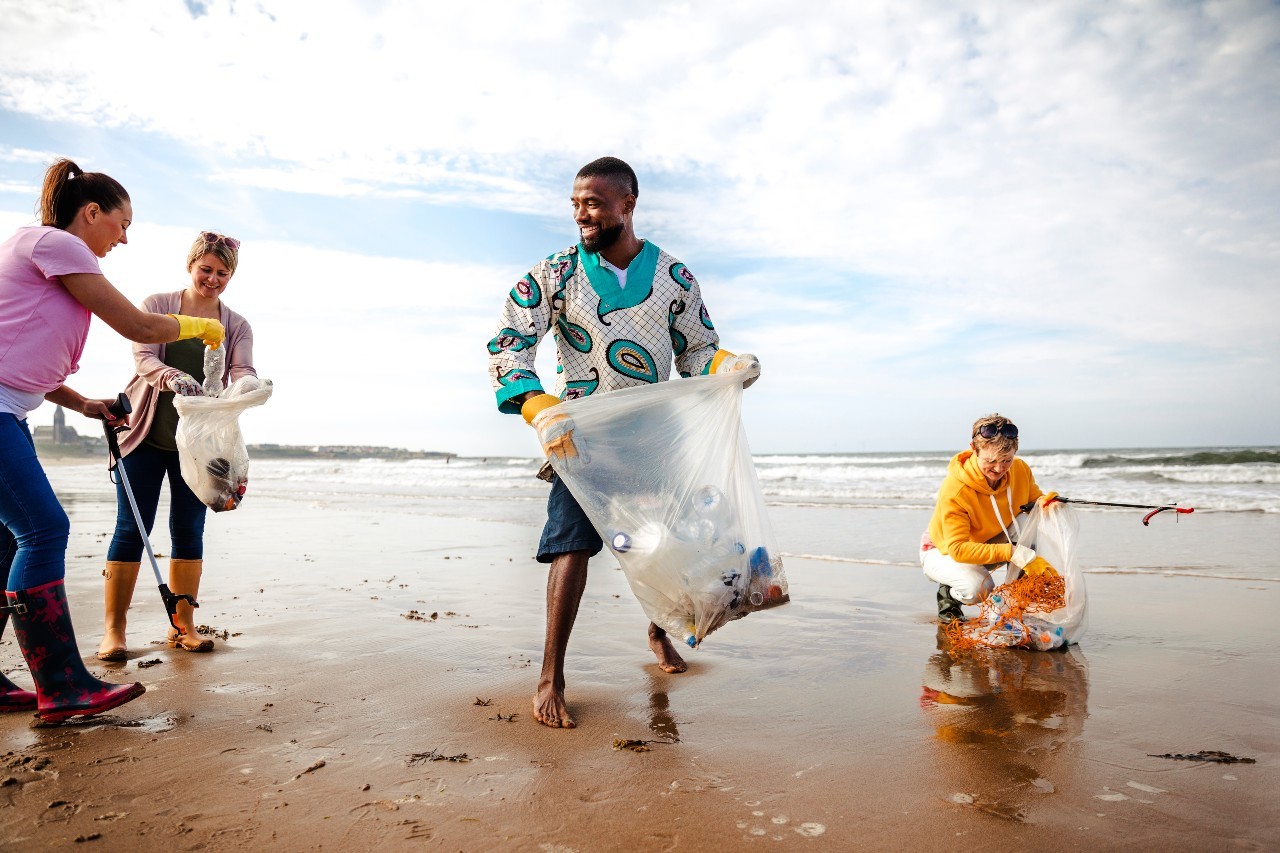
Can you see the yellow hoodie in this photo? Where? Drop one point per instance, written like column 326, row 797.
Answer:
column 964, row 518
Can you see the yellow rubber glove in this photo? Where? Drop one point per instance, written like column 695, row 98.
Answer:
column 209, row 331
column 534, row 405
column 1040, row 566
column 726, row 362
column 555, row 431
column 1047, row 500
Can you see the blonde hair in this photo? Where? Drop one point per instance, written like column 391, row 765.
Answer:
column 224, row 248
column 1000, row 444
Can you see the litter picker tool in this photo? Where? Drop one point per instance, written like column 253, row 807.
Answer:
column 119, row 409
column 1146, row 519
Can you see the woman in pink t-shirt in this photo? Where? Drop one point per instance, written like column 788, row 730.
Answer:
column 50, row 286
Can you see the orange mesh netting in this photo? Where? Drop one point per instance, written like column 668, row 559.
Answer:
column 1003, row 622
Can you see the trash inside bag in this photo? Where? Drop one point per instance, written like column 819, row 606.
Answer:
column 1035, row 612
column 211, row 451
column 665, row 475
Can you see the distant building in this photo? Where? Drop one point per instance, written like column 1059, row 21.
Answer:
column 62, row 439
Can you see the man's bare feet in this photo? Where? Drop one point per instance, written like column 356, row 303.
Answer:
column 669, row 659
column 550, row 709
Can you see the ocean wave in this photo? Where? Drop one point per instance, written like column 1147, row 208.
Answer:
column 1187, row 458
column 831, row 558
column 858, row 460
column 846, row 473
column 1161, row 571
column 1175, row 572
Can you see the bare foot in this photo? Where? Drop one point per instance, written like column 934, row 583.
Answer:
column 550, row 709
column 669, row 659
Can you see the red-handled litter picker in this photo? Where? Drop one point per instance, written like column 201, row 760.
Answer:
column 119, row 409
column 1146, row 519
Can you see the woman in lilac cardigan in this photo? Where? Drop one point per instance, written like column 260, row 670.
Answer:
column 150, row 452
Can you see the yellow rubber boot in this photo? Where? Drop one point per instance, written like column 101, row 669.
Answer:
column 117, row 594
column 184, row 579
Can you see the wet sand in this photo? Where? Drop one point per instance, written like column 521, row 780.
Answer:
column 363, row 638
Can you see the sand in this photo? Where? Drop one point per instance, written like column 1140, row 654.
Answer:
column 362, row 638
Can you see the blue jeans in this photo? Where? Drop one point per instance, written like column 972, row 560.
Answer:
column 33, row 539
column 147, row 467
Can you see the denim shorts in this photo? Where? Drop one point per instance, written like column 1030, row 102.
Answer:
column 567, row 528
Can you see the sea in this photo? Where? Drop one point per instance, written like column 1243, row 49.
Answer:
column 870, row 508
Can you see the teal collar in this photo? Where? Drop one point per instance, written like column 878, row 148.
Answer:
column 640, row 274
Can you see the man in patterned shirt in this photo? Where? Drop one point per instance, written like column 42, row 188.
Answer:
column 620, row 310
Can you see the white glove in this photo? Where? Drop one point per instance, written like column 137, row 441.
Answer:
column 746, row 361
column 184, row 385
column 1021, row 556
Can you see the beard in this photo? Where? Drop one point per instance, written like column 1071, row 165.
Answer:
column 604, row 238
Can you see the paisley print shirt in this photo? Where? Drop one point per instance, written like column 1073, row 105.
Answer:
column 607, row 337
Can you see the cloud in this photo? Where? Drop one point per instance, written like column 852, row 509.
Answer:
column 362, row 349
column 921, row 193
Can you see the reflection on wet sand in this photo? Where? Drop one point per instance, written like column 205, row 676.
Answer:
column 1001, row 718
column 661, row 723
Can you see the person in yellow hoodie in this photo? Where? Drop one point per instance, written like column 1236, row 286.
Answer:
column 974, row 529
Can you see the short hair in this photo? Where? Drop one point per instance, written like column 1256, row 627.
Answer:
column 67, row 188
column 1000, row 444
column 612, row 169
column 220, row 249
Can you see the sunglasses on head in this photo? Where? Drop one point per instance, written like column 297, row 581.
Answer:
column 212, row 239
column 990, row 431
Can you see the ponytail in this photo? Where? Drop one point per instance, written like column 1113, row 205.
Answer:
column 68, row 188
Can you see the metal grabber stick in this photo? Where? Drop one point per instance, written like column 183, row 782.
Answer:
column 1156, row 509
column 119, row 409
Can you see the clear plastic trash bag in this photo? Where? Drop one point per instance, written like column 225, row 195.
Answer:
column 665, row 475
column 211, row 451
column 1007, row 621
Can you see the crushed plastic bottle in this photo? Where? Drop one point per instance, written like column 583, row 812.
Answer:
column 215, row 365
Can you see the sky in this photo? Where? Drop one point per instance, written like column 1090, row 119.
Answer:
column 914, row 213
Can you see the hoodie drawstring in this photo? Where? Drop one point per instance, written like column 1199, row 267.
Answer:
column 1013, row 517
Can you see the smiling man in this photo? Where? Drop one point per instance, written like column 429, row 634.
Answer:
column 621, row 310
column 975, row 527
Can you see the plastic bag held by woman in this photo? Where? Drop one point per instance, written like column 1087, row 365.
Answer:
column 211, row 451
column 665, row 475
column 1046, row 615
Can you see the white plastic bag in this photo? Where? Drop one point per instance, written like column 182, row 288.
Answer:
column 1054, row 535
column 665, row 475
column 211, row 451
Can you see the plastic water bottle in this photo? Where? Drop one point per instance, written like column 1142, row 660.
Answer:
column 709, row 501
column 700, row 530
column 650, row 538
column 215, row 363
column 1012, row 632
column 760, row 565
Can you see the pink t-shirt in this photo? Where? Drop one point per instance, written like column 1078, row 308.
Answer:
column 42, row 326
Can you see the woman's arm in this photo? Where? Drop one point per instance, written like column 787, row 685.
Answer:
column 94, row 292
column 240, row 353
column 69, row 398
